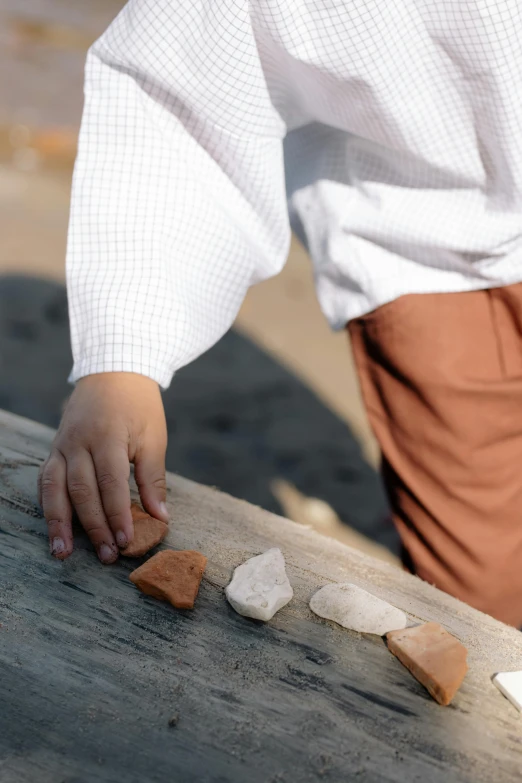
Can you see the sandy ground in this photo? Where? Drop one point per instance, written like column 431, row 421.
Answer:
column 272, row 414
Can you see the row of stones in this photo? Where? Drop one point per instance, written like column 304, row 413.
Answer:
column 260, row 587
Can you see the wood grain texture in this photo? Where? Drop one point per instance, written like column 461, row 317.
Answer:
column 91, row 671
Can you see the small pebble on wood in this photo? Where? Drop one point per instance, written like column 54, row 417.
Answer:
column 356, row 609
column 148, row 533
column 434, row 657
column 510, row 684
column 171, row 576
column 260, row 586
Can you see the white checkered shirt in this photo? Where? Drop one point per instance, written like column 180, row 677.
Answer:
column 395, row 125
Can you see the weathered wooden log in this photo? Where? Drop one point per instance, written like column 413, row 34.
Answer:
column 101, row 683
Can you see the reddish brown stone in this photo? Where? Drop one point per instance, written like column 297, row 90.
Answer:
column 434, row 657
column 172, row 576
column 138, row 513
column 148, row 532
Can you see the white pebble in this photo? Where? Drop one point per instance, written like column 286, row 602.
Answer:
column 510, row 684
column 354, row 608
column 260, row 587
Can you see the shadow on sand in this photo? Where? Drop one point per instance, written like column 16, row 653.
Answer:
column 237, row 419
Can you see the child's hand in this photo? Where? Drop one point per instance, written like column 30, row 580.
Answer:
column 111, row 419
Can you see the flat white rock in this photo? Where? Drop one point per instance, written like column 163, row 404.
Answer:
column 354, row 608
column 510, row 684
column 260, row 586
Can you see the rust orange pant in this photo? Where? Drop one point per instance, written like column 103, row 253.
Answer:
column 441, row 377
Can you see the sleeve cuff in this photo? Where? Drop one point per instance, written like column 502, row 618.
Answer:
column 88, row 366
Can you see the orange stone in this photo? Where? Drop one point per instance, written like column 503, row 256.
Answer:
column 434, row 657
column 172, row 576
column 148, row 532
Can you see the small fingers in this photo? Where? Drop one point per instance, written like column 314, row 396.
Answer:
column 149, row 471
column 54, row 499
column 85, row 497
column 112, row 474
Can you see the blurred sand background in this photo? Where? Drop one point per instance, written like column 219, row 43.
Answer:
column 272, row 414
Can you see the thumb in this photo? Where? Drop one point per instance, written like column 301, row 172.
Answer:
column 149, row 472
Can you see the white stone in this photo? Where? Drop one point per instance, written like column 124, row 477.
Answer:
column 354, row 608
column 260, row 586
column 510, row 684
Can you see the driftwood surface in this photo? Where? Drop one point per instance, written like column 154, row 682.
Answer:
column 92, row 671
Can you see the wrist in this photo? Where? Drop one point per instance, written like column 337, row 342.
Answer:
column 116, row 378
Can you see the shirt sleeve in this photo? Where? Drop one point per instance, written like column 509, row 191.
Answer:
column 178, row 202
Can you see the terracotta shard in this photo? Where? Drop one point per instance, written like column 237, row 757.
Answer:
column 172, row 576
column 434, row 657
column 148, row 532
column 138, row 513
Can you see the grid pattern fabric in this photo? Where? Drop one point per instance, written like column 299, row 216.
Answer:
column 387, row 134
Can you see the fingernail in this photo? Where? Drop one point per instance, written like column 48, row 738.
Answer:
column 106, row 554
column 57, row 546
column 163, row 509
column 121, row 539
